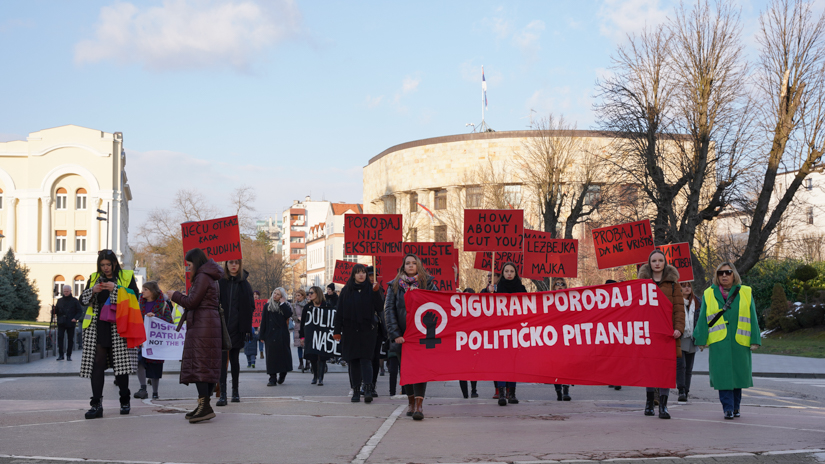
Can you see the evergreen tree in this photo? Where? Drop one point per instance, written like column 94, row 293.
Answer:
column 778, row 309
column 19, row 299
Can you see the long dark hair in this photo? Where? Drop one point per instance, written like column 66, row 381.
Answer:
column 319, row 295
column 197, row 257
column 351, row 283
column 110, row 256
column 423, row 275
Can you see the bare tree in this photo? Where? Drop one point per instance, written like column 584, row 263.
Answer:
column 267, row 269
column 241, row 201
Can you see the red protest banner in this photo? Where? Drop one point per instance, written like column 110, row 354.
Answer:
column 219, row 238
column 493, row 229
column 603, row 335
column 343, row 269
column 545, row 256
column 623, row 244
column 258, row 314
column 372, row 234
column 483, row 263
column 678, row 256
column 437, row 257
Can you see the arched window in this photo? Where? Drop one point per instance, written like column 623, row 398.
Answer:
column 59, row 282
column 1, row 198
column 60, row 198
column 80, row 199
column 79, row 285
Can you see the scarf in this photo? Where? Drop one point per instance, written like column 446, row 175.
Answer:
column 510, row 286
column 724, row 293
column 688, row 318
column 406, row 282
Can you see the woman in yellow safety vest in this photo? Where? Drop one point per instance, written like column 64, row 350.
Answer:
column 102, row 346
column 730, row 338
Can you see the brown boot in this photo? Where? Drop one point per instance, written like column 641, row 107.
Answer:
column 418, row 414
column 411, row 409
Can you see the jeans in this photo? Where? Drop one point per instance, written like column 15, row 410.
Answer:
column 360, row 372
column 730, row 399
column 500, row 384
column 233, row 355
column 684, row 370
column 69, row 331
column 300, row 352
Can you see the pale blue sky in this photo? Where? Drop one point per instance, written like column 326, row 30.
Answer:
column 294, row 98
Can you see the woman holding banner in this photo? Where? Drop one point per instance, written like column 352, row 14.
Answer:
column 356, row 327
column 667, row 278
column 300, row 297
column 562, row 391
column 318, row 362
column 274, row 331
column 238, row 305
column 510, row 282
column 153, row 303
column 411, row 276
column 201, row 363
column 729, row 328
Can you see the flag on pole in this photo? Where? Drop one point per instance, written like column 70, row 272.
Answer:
column 484, row 86
column 429, row 213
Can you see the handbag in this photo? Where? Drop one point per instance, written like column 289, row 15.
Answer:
column 108, row 312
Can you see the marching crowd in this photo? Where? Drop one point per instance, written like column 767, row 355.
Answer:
column 370, row 325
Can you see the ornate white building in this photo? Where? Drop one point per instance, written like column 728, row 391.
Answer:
column 51, row 188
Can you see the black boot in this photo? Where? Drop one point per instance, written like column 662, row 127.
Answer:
column 463, row 385
column 356, row 396
column 236, row 398
column 511, row 395
column 222, row 399
column 473, row 391
column 682, row 396
column 663, row 414
column 368, row 393
column 281, row 377
column 649, row 404
column 97, row 409
column 321, row 371
column 125, row 407
column 502, row 396
column 565, row 393
column 558, row 392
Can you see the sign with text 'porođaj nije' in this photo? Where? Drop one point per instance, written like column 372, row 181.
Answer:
column 373, row 234
column 343, row 269
column 258, row 314
column 483, row 258
column 623, row 244
column 610, row 334
column 493, row 229
column 220, row 239
column 678, row 256
column 545, row 256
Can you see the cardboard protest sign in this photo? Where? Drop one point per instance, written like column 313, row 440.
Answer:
column 623, row 244
column 258, row 314
column 372, row 234
column 483, row 260
column 678, row 256
column 611, row 334
column 342, row 271
column 493, row 229
column 438, row 259
column 318, row 332
column 545, row 256
column 163, row 341
column 219, row 238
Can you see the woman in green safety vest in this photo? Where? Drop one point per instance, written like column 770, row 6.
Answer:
column 730, row 336
column 102, row 346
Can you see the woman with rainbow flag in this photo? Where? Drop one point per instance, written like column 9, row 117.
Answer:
column 112, row 330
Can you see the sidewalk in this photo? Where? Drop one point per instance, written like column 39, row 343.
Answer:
column 772, row 365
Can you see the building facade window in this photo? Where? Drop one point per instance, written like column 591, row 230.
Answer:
column 60, row 241
column 440, row 233
column 79, row 285
column 809, row 184
column 80, row 241
column 593, row 195
column 809, row 212
column 413, row 202
column 351, row 258
column 389, row 204
column 474, row 197
column 1, row 198
column 512, row 195
column 61, row 199
column 441, row 199
column 59, row 282
column 80, row 200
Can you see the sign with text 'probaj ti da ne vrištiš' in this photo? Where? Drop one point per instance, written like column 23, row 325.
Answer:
column 678, row 256
column 545, row 256
column 623, row 244
column 493, row 229
column 373, row 234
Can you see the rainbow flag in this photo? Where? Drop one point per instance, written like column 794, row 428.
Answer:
column 129, row 319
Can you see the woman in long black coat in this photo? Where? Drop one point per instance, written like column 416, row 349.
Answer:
column 274, row 332
column 356, row 326
column 238, row 305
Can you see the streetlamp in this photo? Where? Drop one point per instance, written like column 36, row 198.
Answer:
column 100, row 211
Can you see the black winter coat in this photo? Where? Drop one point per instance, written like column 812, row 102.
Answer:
column 357, row 339
column 274, row 332
column 68, row 308
column 395, row 310
column 238, row 304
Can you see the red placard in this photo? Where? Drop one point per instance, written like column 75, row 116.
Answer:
column 259, row 312
column 373, row 234
column 219, row 238
column 545, row 256
column 493, row 229
column 611, row 334
column 678, row 256
column 483, row 259
column 437, row 257
column 343, row 269
column 623, row 244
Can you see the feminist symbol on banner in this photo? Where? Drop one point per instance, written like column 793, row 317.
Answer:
column 425, row 314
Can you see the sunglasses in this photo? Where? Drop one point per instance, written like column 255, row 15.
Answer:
column 726, row 272
column 310, row 293
column 105, row 252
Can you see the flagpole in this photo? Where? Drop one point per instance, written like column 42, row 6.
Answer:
column 482, row 96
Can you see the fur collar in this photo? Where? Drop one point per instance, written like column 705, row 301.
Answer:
column 671, row 274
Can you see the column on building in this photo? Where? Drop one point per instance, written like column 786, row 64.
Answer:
column 425, row 227
column 11, row 225
column 46, row 225
column 454, row 203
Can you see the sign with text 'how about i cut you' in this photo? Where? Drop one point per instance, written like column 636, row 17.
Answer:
column 623, row 244
column 678, row 256
column 545, row 256
column 373, row 234
column 493, row 229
